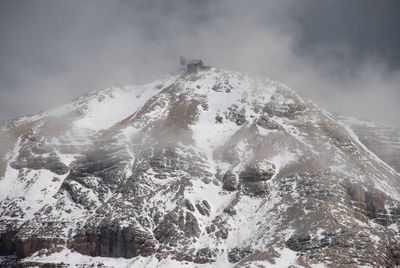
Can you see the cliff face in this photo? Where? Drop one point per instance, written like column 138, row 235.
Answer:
column 212, row 167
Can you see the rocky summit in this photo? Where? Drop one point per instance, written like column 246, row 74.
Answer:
column 205, row 169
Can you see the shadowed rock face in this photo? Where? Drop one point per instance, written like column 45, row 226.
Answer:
column 211, row 167
column 175, row 227
column 34, row 154
column 238, row 254
column 7, row 245
column 107, row 241
column 257, row 172
column 25, row 248
column 230, row 181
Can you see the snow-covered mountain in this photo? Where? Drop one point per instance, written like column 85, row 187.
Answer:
column 210, row 169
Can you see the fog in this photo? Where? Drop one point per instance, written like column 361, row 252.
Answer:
column 342, row 55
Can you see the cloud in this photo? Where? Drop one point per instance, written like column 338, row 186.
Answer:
column 58, row 50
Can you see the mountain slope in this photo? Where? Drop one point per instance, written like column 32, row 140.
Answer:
column 216, row 167
column 383, row 140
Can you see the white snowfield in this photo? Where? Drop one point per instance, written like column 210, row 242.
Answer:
column 287, row 259
column 308, row 177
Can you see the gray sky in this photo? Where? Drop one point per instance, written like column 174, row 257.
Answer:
column 342, row 54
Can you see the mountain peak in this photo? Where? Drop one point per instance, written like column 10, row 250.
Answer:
column 211, row 166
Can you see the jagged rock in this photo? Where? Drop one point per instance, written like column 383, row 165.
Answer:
column 218, row 119
column 210, row 229
column 254, row 177
column 27, row 160
column 255, row 188
column 299, row 242
column 79, row 193
column 236, row 116
column 372, row 204
column 189, row 205
column 206, row 204
column 284, row 104
column 256, row 172
column 169, row 230
column 230, row 211
column 204, row 210
column 204, row 255
column 238, row 254
column 222, row 233
column 230, row 181
column 267, row 123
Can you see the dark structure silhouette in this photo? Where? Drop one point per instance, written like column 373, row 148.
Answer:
column 192, row 66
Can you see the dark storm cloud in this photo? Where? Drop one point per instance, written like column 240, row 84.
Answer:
column 340, row 53
column 370, row 27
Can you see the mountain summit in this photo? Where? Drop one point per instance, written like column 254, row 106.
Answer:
column 212, row 168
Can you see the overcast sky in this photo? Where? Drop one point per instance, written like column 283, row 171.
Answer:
column 343, row 54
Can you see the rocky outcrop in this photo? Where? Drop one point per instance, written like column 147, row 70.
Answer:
column 238, row 254
column 236, row 116
column 113, row 241
column 372, row 205
column 304, row 242
column 177, row 228
column 26, row 247
column 267, row 123
column 7, row 242
column 34, row 154
column 254, row 176
column 284, row 104
column 105, row 159
column 230, row 181
column 259, row 171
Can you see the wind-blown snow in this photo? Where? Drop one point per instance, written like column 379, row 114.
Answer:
column 109, row 106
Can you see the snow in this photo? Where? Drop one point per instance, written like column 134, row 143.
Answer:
column 287, row 258
column 210, row 134
column 394, row 227
column 283, row 158
column 351, row 120
column 67, row 159
column 211, row 192
column 380, row 184
column 37, row 192
column 374, row 238
column 318, row 265
column 244, row 224
column 264, row 132
column 37, row 187
column 256, row 221
column 22, row 120
column 371, row 154
column 109, row 106
column 66, row 256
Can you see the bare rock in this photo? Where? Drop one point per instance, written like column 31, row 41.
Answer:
column 230, row 181
column 237, row 254
column 259, row 171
